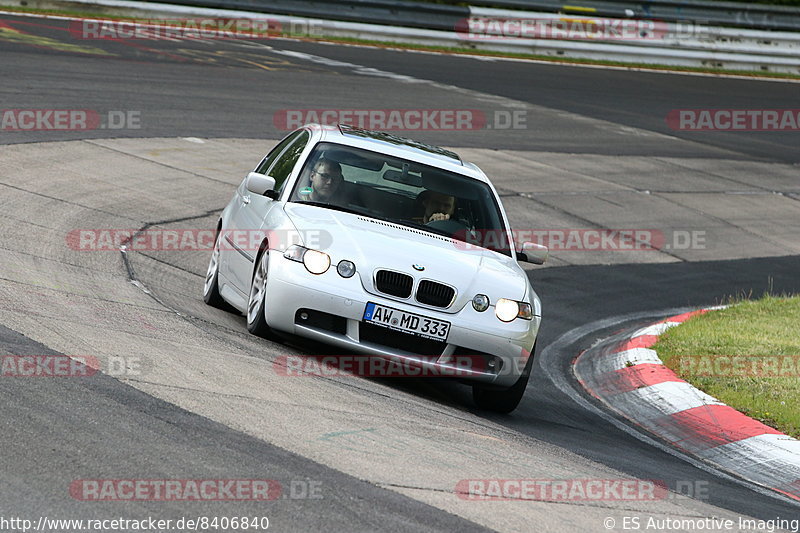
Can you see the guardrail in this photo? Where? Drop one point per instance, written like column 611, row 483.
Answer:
column 674, row 44
column 736, row 14
column 710, row 48
column 679, row 44
column 442, row 16
column 388, row 12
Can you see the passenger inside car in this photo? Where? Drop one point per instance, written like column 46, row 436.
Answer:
column 435, row 206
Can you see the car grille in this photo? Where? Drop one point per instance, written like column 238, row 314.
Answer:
column 394, row 283
column 400, row 341
column 436, row 294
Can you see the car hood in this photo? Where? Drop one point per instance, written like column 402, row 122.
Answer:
column 373, row 244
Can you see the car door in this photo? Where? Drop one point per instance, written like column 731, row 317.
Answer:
column 247, row 220
column 232, row 253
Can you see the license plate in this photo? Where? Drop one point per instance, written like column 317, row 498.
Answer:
column 418, row 325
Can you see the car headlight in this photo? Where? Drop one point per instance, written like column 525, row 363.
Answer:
column 507, row 310
column 315, row 261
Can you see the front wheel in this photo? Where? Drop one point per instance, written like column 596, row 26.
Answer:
column 211, row 294
column 505, row 400
column 256, row 303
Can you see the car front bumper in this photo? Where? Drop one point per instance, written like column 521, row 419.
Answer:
column 292, row 292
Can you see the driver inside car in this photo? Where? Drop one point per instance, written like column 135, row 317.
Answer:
column 326, row 179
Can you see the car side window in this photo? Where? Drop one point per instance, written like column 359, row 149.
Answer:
column 281, row 166
column 278, row 150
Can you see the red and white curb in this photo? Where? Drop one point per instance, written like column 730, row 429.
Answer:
column 625, row 374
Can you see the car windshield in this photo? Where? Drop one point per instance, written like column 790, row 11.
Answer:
column 403, row 192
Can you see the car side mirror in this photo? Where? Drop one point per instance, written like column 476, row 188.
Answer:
column 533, row 253
column 260, row 184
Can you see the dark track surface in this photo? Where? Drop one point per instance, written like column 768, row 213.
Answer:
column 185, row 88
column 50, row 429
column 636, row 99
column 57, row 431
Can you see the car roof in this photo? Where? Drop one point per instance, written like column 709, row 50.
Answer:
column 378, row 141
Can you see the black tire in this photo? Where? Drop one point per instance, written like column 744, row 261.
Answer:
column 211, row 294
column 256, row 302
column 503, row 400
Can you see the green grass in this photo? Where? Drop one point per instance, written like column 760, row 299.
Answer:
column 767, row 331
column 455, row 50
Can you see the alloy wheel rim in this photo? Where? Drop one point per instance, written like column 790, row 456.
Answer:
column 257, row 290
column 212, row 268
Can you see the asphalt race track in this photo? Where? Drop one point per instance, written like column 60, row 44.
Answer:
column 199, row 398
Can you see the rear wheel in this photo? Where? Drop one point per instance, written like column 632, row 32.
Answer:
column 211, row 294
column 256, row 303
column 504, row 400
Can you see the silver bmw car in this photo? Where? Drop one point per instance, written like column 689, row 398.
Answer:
column 384, row 247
